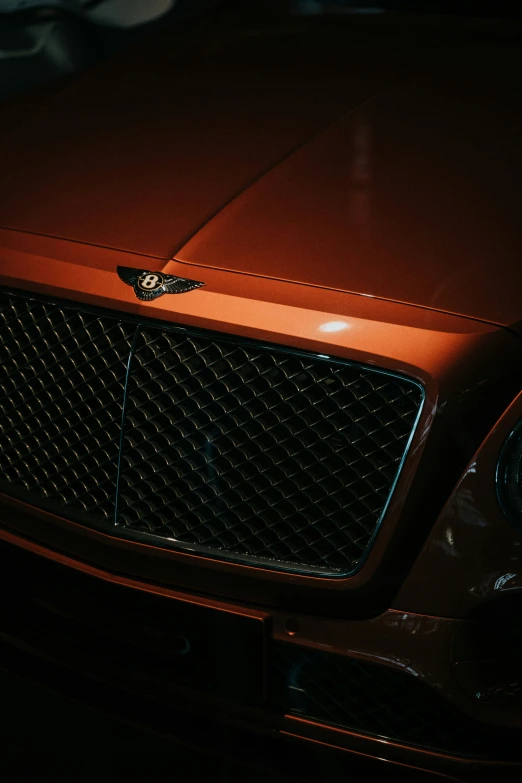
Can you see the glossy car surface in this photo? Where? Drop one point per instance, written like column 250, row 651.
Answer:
column 347, row 195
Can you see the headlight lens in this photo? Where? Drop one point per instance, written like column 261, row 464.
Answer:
column 509, row 477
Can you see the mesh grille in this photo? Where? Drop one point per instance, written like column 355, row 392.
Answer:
column 62, row 375
column 232, row 448
column 263, row 454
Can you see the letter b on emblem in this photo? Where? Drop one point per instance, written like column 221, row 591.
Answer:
column 150, row 282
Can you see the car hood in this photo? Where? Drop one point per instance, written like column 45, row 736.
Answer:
column 362, row 168
column 414, row 196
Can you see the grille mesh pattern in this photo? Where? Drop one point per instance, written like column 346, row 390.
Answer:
column 62, row 376
column 268, row 455
column 370, row 699
column 231, row 448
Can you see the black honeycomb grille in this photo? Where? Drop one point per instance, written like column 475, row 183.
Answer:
column 62, row 376
column 266, row 455
column 233, row 448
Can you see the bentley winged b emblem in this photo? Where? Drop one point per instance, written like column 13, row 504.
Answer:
column 149, row 285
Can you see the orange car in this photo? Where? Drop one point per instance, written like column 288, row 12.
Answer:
column 260, row 385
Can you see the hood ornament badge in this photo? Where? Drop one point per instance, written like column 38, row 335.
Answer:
column 149, row 285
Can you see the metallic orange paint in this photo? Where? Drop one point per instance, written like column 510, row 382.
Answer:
column 386, row 202
column 340, row 169
column 461, row 363
column 214, row 95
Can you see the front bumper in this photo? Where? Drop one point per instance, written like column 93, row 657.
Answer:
column 374, row 689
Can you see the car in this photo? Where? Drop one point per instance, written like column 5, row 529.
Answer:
column 261, row 384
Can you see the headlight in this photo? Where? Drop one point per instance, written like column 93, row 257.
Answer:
column 509, row 477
